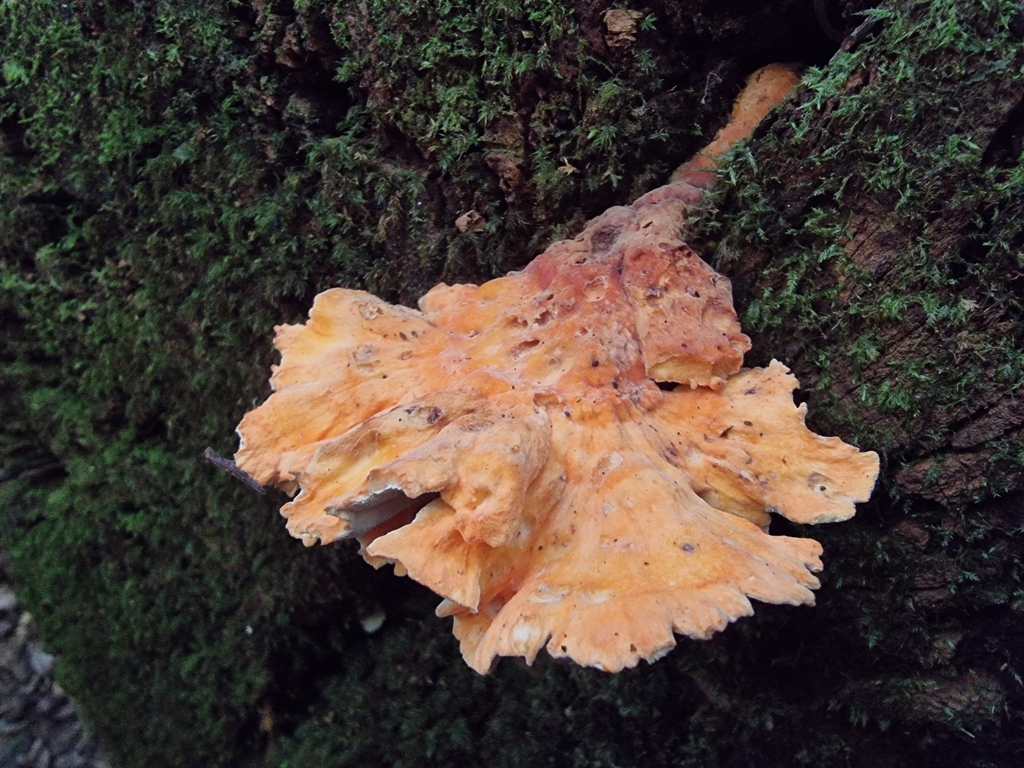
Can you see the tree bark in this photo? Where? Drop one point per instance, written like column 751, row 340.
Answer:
column 874, row 236
column 176, row 178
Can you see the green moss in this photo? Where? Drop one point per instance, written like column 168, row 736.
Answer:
column 172, row 186
column 915, row 166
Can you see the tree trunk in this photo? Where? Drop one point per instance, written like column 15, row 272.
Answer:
column 875, row 236
column 175, row 179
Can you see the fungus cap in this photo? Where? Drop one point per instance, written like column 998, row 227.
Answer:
column 509, row 446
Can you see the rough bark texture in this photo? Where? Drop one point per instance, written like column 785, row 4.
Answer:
column 175, row 179
column 875, row 237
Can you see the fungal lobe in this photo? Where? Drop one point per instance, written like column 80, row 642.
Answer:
column 509, row 446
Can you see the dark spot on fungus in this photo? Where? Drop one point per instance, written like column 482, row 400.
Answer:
column 725, row 432
column 594, row 363
column 748, row 423
column 688, row 547
column 563, row 649
column 615, row 384
column 632, row 648
column 402, row 336
column 434, row 415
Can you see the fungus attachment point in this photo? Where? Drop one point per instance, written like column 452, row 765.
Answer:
column 524, row 458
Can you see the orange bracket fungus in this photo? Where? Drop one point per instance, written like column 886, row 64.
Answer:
column 509, row 446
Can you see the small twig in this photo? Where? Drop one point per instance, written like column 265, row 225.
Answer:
column 859, row 34
column 232, row 469
column 6, row 476
column 707, row 86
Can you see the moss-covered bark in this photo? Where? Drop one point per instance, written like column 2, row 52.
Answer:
column 875, row 233
column 176, row 178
